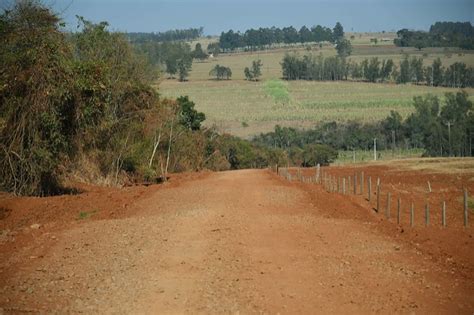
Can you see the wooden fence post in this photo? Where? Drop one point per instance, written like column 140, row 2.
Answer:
column 466, row 209
column 443, row 214
column 343, row 185
column 355, row 183
column 369, row 183
column 427, row 214
column 412, row 215
column 362, row 183
column 378, row 195
column 399, row 204
column 387, row 211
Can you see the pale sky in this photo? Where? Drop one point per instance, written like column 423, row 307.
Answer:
column 216, row 16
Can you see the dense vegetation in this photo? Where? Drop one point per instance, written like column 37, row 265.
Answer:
column 264, row 37
column 81, row 105
column 440, row 129
column 171, row 35
column 336, row 68
column 441, row 34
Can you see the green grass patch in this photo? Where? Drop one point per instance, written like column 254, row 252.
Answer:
column 86, row 214
column 278, row 90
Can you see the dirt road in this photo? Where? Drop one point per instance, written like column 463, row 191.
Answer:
column 231, row 242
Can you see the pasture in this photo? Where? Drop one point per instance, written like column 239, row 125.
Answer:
column 247, row 108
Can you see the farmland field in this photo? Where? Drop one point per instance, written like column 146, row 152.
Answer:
column 247, row 108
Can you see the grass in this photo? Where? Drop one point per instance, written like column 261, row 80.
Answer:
column 86, row 214
column 278, row 90
column 229, row 103
column 365, row 156
column 462, row 166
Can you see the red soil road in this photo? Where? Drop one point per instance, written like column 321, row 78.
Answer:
column 241, row 241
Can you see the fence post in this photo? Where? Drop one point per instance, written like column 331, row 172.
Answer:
column 399, row 202
column 387, row 211
column 443, row 214
column 318, row 173
column 355, row 183
column 427, row 214
column 362, row 183
column 369, row 183
column 412, row 215
column 466, row 208
column 343, row 185
column 378, row 194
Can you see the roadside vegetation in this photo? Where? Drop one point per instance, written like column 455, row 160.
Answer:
column 81, row 106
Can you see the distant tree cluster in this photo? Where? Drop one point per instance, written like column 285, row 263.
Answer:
column 171, row 35
column 263, row 37
column 412, row 70
column 254, row 72
column 221, row 72
column 440, row 129
column 441, row 34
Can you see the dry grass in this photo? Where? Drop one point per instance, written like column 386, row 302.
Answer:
column 229, row 104
column 438, row 165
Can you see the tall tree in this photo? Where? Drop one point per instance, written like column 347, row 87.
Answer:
column 198, row 53
column 344, row 47
column 338, row 32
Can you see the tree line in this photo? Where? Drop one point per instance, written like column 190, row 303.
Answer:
column 264, row 37
column 167, row 36
column 441, row 34
column 409, row 69
column 440, row 127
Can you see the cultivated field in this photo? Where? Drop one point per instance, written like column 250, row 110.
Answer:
column 234, row 104
column 248, row 108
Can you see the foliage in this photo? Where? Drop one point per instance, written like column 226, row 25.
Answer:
column 336, row 68
column 171, row 35
column 338, row 32
column 36, row 97
column 255, row 72
column 221, row 72
column 184, row 65
column 440, row 129
column 258, row 38
column 189, row 117
column 343, row 47
column 198, row 53
column 441, row 34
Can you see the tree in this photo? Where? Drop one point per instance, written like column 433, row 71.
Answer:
column 189, row 117
column 344, row 47
column 416, row 70
column 221, row 72
column 255, row 72
column 184, row 66
column 305, row 35
column 437, row 72
column 386, row 69
column 36, row 99
column 404, row 74
column 198, row 53
column 214, row 49
column 372, row 71
column 338, row 32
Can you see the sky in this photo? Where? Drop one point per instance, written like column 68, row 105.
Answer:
column 221, row 15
